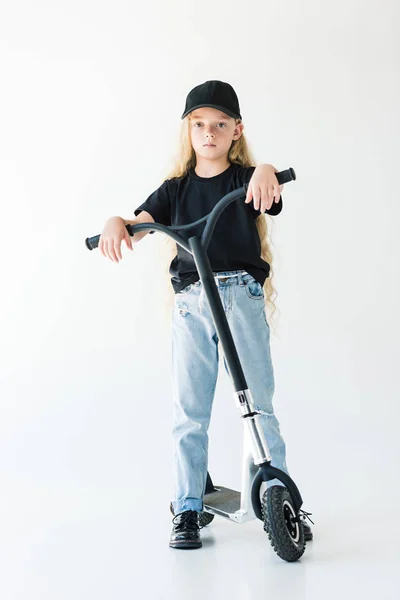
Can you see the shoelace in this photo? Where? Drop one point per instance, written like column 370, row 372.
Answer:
column 304, row 516
column 187, row 520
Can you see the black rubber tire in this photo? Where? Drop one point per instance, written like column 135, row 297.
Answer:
column 205, row 518
column 286, row 536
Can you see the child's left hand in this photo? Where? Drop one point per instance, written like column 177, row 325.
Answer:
column 264, row 187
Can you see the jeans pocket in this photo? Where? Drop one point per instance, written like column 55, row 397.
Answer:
column 254, row 289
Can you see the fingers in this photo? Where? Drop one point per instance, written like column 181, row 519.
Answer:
column 112, row 250
column 265, row 197
column 111, row 239
column 277, row 193
column 117, row 249
column 128, row 241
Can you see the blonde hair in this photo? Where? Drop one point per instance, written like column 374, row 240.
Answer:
column 239, row 153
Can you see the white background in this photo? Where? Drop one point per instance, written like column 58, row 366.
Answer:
column 90, row 105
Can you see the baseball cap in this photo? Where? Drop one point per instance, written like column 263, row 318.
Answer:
column 216, row 94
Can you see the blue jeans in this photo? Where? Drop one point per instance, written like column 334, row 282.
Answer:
column 195, row 362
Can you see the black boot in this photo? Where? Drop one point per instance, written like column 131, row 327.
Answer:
column 308, row 534
column 186, row 531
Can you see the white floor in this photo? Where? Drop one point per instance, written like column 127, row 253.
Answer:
column 63, row 541
column 86, row 478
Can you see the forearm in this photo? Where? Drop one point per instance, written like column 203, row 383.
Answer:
column 138, row 235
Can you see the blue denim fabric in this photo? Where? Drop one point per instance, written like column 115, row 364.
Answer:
column 195, row 362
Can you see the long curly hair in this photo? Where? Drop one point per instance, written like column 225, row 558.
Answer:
column 185, row 159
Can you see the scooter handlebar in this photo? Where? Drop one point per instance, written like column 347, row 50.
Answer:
column 282, row 177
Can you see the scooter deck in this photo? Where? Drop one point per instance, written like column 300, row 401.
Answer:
column 226, row 503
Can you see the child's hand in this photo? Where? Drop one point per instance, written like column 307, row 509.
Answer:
column 111, row 238
column 263, row 187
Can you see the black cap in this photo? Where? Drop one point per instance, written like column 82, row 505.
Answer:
column 216, row 94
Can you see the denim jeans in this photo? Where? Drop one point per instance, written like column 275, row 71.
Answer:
column 195, row 362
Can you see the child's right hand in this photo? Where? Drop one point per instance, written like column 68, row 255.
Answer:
column 111, row 238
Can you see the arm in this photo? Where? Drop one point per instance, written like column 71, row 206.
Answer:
column 143, row 217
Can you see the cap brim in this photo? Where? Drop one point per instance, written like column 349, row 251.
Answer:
column 221, row 108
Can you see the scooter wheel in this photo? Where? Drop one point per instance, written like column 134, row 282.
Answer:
column 205, row 518
column 285, row 532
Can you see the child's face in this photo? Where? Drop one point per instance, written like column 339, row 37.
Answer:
column 211, row 126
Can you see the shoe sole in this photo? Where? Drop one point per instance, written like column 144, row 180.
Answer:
column 185, row 545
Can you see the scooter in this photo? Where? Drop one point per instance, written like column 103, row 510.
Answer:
column 280, row 506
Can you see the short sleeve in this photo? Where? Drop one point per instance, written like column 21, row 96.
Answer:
column 245, row 174
column 158, row 204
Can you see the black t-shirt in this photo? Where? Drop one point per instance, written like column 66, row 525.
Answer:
column 235, row 243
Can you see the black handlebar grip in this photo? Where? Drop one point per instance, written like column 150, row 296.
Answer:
column 285, row 176
column 92, row 242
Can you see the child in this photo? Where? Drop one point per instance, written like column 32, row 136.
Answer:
column 214, row 160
